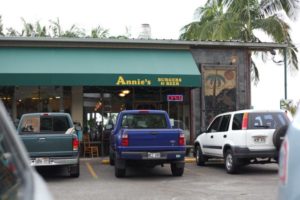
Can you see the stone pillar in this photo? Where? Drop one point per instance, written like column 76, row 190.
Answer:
column 77, row 104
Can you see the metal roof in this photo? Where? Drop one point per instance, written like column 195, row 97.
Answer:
column 133, row 43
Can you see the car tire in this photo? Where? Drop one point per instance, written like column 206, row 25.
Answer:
column 75, row 171
column 119, row 171
column 111, row 158
column 176, row 171
column 278, row 136
column 200, row 158
column 230, row 162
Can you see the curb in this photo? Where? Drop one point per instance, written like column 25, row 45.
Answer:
column 186, row 160
column 105, row 161
column 189, row 160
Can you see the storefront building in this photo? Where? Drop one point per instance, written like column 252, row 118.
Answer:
column 96, row 79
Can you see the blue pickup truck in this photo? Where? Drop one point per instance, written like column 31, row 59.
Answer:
column 146, row 137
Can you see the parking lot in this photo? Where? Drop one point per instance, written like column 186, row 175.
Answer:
column 97, row 181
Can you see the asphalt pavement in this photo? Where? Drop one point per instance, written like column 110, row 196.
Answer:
column 97, row 181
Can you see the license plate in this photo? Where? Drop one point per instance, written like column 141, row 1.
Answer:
column 41, row 161
column 153, row 155
column 259, row 139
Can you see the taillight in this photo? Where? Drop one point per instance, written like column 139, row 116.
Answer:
column 245, row 121
column 181, row 141
column 125, row 140
column 75, row 144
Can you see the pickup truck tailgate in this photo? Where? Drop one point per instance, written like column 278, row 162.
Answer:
column 58, row 145
column 153, row 138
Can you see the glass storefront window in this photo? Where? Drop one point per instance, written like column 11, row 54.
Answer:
column 102, row 105
column 27, row 99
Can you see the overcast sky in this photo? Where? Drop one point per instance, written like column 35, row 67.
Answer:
column 166, row 18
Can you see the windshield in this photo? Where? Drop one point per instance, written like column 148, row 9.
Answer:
column 140, row 121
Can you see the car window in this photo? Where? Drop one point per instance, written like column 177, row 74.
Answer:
column 267, row 120
column 10, row 181
column 140, row 121
column 237, row 121
column 37, row 124
column 224, row 123
column 214, row 127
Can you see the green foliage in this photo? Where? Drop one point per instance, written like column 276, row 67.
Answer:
column 55, row 30
column 99, row 32
column 238, row 20
column 1, row 26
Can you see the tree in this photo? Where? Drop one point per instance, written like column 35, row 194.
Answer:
column 1, row 26
column 12, row 32
column 31, row 30
column 238, row 20
column 73, row 32
column 99, row 32
column 289, row 6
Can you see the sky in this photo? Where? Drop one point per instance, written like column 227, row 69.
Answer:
column 165, row 18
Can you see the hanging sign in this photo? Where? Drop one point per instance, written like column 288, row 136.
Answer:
column 175, row 97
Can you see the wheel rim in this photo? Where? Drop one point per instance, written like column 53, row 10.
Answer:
column 229, row 161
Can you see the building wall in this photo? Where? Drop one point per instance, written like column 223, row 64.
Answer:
column 224, row 58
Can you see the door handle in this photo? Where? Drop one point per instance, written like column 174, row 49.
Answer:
column 224, row 136
column 211, row 136
column 42, row 139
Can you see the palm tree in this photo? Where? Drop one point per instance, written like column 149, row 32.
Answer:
column 57, row 31
column 33, row 30
column 99, row 32
column 272, row 6
column 41, row 31
column 1, row 26
column 12, row 32
column 28, row 29
column 238, row 20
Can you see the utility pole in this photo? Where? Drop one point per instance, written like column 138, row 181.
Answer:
column 285, row 73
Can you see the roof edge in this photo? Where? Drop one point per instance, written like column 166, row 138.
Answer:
column 133, row 43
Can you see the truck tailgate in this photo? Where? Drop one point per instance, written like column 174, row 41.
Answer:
column 153, row 138
column 48, row 145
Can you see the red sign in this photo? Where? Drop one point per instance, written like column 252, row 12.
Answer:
column 176, row 97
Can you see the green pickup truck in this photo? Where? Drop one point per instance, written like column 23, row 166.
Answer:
column 51, row 140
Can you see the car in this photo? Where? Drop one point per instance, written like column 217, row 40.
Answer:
column 242, row 137
column 18, row 179
column 51, row 140
column 146, row 137
column 289, row 162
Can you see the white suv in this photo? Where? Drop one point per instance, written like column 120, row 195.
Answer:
column 242, row 137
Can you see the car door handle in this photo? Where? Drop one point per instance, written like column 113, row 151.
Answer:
column 42, row 139
column 211, row 136
column 224, row 136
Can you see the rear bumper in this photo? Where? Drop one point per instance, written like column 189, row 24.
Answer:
column 48, row 161
column 242, row 152
column 152, row 155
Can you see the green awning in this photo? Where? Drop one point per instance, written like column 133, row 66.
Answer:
column 98, row 67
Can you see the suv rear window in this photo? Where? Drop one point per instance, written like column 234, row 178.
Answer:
column 37, row 124
column 267, row 120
